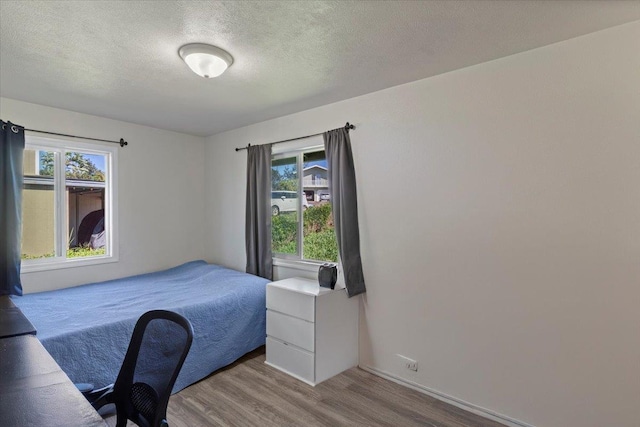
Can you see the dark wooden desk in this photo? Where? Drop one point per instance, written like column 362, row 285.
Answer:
column 12, row 321
column 34, row 391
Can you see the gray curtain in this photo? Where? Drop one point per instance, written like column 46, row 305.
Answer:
column 342, row 185
column 258, row 214
column 11, row 153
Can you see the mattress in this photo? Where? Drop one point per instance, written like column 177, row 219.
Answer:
column 87, row 328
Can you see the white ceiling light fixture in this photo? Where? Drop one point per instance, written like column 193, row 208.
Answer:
column 205, row 60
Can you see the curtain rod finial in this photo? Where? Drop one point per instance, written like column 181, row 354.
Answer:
column 123, row 142
column 349, row 126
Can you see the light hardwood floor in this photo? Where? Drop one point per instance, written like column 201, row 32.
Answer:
column 250, row 393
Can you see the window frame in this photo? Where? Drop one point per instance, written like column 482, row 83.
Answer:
column 298, row 149
column 59, row 146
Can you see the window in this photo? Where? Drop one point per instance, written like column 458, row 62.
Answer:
column 302, row 223
column 68, row 213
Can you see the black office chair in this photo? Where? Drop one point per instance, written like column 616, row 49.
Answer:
column 160, row 342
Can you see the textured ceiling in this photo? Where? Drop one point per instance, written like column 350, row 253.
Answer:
column 119, row 59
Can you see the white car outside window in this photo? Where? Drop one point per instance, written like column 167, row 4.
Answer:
column 286, row 201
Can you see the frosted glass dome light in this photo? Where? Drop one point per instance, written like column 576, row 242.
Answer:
column 205, row 60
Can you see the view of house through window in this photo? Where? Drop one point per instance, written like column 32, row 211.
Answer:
column 302, row 223
column 38, row 207
column 64, row 212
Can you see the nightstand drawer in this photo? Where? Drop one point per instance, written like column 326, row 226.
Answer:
column 290, row 330
column 290, row 359
column 293, row 303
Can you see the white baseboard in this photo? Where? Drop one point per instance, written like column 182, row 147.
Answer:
column 511, row 422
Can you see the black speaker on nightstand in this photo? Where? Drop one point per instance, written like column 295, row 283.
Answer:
column 328, row 275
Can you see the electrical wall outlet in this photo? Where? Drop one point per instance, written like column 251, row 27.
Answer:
column 410, row 364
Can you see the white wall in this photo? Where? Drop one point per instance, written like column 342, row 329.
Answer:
column 500, row 223
column 161, row 194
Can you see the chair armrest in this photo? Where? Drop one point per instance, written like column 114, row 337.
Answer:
column 100, row 397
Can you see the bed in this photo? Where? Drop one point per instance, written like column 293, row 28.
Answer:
column 87, row 328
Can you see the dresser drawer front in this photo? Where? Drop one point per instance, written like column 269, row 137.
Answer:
column 290, row 359
column 291, row 330
column 292, row 303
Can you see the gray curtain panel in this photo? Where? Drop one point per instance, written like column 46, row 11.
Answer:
column 258, row 214
column 11, row 179
column 342, row 185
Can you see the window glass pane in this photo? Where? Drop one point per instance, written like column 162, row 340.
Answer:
column 38, row 205
column 319, row 239
column 85, row 194
column 84, row 166
column 284, row 205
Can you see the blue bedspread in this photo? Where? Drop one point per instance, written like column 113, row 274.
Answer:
column 87, row 328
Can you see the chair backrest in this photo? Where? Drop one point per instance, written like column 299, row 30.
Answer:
column 160, row 342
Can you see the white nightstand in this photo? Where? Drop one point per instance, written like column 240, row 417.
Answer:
column 312, row 332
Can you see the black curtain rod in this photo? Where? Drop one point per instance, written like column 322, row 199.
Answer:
column 347, row 127
column 122, row 142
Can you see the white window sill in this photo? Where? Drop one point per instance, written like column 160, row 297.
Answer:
column 308, row 267
column 33, row 267
column 297, row 264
